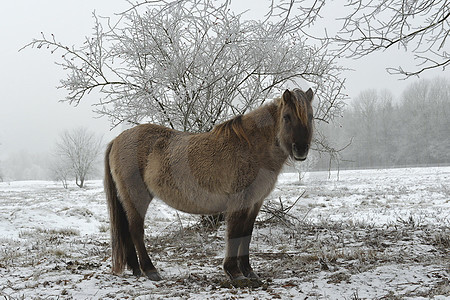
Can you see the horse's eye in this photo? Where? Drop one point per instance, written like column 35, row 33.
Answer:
column 287, row 118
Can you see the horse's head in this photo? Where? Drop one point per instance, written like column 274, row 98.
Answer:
column 295, row 119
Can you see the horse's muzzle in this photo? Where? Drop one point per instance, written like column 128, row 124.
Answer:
column 299, row 153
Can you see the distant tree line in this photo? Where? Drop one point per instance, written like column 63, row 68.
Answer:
column 76, row 156
column 384, row 132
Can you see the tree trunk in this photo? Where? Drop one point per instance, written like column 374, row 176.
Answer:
column 81, row 183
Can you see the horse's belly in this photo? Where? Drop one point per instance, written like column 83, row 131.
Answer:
column 192, row 197
column 196, row 205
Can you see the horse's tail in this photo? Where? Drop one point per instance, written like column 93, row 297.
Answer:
column 117, row 217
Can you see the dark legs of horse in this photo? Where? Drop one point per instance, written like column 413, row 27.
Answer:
column 134, row 239
column 137, row 237
column 239, row 232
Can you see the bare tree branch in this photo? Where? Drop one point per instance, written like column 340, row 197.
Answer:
column 190, row 64
column 367, row 26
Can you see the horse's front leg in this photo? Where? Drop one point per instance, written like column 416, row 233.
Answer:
column 244, row 251
column 239, row 232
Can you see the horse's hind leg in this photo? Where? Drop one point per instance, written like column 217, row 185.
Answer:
column 136, row 207
column 137, row 235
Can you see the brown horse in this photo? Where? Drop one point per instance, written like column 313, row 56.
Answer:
column 230, row 169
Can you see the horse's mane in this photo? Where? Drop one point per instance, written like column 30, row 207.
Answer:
column 232, row 126
column 301, row 109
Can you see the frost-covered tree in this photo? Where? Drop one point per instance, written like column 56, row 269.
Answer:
column 366, row 26
column 76, row 153
column 425, row 122
column 371, row 121
column 191, row 64
column 61, row 169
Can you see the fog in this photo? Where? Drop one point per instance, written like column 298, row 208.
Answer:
column 31, row 116
column 384, row 132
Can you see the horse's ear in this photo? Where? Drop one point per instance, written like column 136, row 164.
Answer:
column 287, row 97
column 309, row 95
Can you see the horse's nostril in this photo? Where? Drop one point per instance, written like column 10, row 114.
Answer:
column 301, row 149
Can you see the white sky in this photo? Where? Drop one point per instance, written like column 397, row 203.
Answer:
column 31, row 116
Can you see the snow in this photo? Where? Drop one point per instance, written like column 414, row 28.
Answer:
column 359, row 234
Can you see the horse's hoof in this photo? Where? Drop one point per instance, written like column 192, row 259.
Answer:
column 240, row 282
column 252, row 275
column 153, row 275
column 255, row 282
column 137, row 273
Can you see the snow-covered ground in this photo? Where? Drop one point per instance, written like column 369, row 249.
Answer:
column 369, row 234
